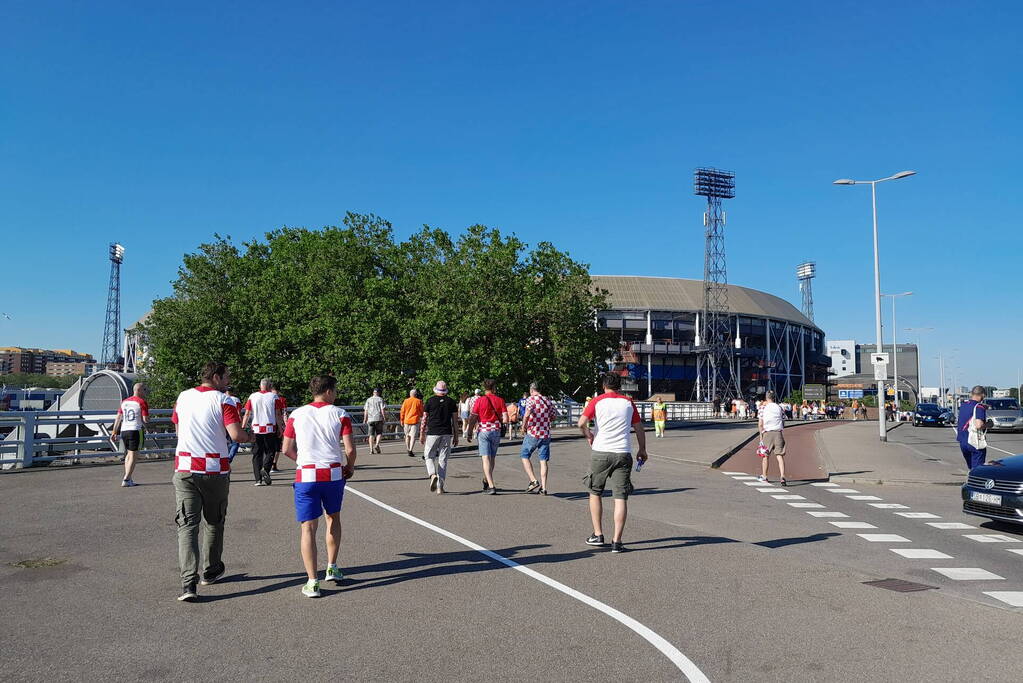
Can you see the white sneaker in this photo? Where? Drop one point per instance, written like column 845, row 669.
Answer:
column 762, row 478
column 440, row 486
column 334, row 574
column 311, row 589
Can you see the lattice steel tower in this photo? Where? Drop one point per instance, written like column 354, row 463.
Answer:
column 111, row 352
column 716, row 365
column 806, row 272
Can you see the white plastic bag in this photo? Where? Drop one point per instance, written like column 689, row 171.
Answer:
column 976, row 438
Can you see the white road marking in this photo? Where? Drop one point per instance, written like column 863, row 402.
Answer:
column 1013, row 598
column 864, row 498
column 1000, row 450
column 950, row 525
column 889, row 506
column 745, row 476
column 771, row 489
column 1018, row 551
column 842, row 491
column 791, row 496
column 754, row 483
column 991, row 538
column 826, row 514
column 827, row 484
column 732, row 474
column 806, row 505
column 967, row 574
column 884, row 538
column 921, row 553
column 917, row 515
column 684, row 664
column 853, row 525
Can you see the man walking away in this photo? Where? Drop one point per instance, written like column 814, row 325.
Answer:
column 374, row 415
column 469, row 404
column 771, row 423
column 439, row 434
column 410, row 414
column 660, row 417
column 232, row 445
column 513, row 419
column 490, row 412
column 613, row 416
column 972, row 415
column 314, row 437
column 130, row 425
column 536, row 421
column 204, row 419
column 264, row 412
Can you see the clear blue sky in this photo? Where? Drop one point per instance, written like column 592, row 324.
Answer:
column 575, row 122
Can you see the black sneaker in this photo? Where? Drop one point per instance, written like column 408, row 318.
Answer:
column 596, row 539
column 491, row 492
column 784, row 482
column 618, row 547
column 433, row 483
column 485, row 485
column 411, row 454
column 188, row 595
column 543, row 492
column 533, row 486
column 213, row 579
column 267, row 481
column 260, row 483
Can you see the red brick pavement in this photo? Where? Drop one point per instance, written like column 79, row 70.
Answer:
column 802, row 459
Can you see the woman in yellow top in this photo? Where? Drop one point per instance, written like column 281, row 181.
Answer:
column 660, row 416
column 410, row 415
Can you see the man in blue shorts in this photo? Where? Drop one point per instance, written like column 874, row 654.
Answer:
column 318, row 437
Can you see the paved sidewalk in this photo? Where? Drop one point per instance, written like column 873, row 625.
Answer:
column 853, row 453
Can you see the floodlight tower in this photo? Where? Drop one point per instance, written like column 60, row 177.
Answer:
column 716, row 365
column 806, row 272
column 111, row 351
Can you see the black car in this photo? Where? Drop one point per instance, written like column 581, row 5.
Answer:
column 931, row 415
column 995, row 490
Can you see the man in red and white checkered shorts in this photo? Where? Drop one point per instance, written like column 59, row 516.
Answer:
column 540, row 411
column 202, row 474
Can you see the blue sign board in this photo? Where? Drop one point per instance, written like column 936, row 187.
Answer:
column 850, row 393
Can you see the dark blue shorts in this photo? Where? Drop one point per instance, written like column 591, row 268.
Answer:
column 313, row 498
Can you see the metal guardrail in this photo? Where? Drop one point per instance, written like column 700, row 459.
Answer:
column 40, row 438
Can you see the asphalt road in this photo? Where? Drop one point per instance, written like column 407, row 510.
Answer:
column 745, row 585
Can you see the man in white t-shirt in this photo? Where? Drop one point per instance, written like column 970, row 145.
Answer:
column 130, row 425
column 318, row 437
column 265, row 412
column 202, row 474
column 614, row 416
column 772, row 423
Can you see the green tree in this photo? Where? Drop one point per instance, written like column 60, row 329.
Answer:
column 25, row 379
column 352, row 301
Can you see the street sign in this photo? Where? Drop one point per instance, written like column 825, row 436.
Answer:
column 814, row 392
column 850, row 393
column 878, row 359
column 881, row 372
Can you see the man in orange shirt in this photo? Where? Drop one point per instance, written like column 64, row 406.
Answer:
column 410, row 415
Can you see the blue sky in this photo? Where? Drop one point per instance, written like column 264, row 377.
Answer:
column 574, row 122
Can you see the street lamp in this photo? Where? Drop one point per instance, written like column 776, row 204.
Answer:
column 882, row 428
column 895, row 345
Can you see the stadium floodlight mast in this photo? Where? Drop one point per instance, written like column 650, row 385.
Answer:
column 111, row 349
column 805, row 273
column 882, row 427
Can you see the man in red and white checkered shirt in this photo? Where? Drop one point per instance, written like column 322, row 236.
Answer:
column 203, row 417
column 540, row 410
column 265, row 411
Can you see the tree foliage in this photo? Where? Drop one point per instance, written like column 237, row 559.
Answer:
column 353, row 302
column 25, row 379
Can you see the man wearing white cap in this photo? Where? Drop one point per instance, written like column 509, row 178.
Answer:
column 439, row 433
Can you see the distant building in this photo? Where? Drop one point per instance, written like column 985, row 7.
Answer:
column 17, row 359
column 851, row 369
column 33, row 398
column 66, row 369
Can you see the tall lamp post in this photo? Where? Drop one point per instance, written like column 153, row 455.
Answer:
column 895, row 346
column 919, row 373
column 882, row 427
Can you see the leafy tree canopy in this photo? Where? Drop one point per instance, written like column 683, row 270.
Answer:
column 24, row 379
column 353, row 302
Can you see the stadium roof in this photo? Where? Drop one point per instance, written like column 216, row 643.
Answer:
column 631, row 292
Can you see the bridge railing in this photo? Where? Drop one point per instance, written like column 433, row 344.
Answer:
column 40, row 438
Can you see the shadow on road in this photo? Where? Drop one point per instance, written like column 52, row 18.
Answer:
column 782, row 542
column 581, row 495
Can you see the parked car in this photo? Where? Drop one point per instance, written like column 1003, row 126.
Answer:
column 931, row 415
column 1004, row 414
column 995, row 490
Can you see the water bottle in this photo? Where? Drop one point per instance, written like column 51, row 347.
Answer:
column 639, row 465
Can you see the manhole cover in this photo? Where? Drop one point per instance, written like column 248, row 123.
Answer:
column 38, row 563
column 899, row 586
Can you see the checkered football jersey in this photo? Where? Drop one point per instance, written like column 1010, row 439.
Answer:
column 132, row 410
column 264, row 406
column 201, row 415
column 541, row 411
column 489, row 408
column 317, row 429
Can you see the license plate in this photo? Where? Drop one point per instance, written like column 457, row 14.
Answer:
column 989, row 498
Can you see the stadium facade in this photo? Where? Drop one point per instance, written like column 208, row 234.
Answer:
column 655, row 319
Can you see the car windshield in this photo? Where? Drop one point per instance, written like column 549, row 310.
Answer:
column 1002, row 404
column 928, row 408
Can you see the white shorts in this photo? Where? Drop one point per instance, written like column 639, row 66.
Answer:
column 412, row 430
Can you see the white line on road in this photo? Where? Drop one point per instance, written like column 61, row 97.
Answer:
column 991, row 538
column 889, row 506
column 967, row 574
column 744, row 476
column 853, row 525
column 864, row 498
column 790, row 496
column 826, row 484
column 921, row 553
column 841, row 490
column 950, row 525
column 917, row 515
column 806, row 505
column 1000, row 450
column 826, row 514
column 684, row 664
column 1014, row 598
column 732, row 473
column 770, row 489
column 1018, row 551
column 884, row 538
